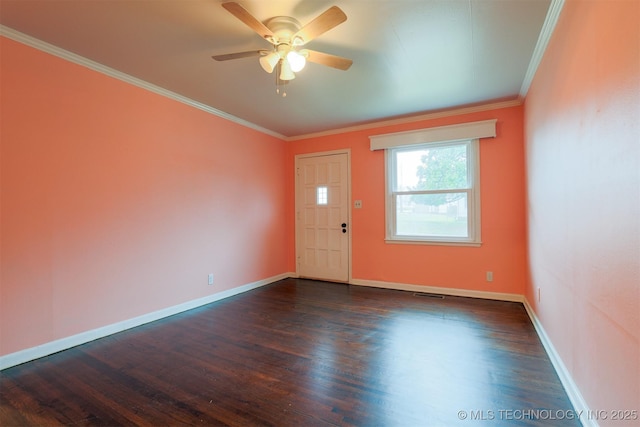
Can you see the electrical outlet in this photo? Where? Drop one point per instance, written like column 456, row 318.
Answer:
column 357, row 204
column 489, row 276
column 211, row 278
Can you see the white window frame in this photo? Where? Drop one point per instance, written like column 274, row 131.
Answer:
column 473, row 196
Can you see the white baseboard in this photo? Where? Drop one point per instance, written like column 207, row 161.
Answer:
column 500, row 296
column 46, row 349
column 578, row 402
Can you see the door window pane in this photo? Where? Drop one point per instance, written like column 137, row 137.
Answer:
column 321, row 196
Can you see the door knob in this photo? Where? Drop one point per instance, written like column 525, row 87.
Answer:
column 344, row 224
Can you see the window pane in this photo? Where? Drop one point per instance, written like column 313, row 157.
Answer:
column 438, row 215
column 322, row 196
column 435, row 168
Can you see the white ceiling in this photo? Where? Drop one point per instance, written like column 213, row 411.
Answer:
column 410, row 57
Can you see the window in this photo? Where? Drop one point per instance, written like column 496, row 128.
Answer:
column 433, row 183
column 433, row 193
column 322, row 197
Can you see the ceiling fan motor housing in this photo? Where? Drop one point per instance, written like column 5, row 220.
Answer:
column 284, row 27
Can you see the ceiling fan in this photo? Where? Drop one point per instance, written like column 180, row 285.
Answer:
column 288, row 37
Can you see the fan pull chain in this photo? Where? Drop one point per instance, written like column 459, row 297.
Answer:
column 280, row 84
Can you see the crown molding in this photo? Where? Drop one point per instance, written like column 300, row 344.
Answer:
column 546, row 32
column 411, row 119
column 547, row 29
column 96, row 66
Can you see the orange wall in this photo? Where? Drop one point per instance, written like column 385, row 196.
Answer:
column 503, row 225
column 117, row 202
column 582, row 119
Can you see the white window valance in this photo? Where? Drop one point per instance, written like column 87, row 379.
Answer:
column 473, row 130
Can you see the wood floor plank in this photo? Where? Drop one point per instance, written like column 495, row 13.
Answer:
column 302, row 353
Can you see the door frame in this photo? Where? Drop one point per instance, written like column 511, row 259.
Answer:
column 346, row 151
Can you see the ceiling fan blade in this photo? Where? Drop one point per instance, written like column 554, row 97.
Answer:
column 249, row 20
column 331, row 18
column 237, row 55
column 328, row 60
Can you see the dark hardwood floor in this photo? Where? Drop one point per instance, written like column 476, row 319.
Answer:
column 302, row 353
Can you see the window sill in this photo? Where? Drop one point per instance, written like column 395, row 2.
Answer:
column 432, row 242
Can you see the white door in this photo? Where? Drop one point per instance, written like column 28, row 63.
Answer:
column 322, row 217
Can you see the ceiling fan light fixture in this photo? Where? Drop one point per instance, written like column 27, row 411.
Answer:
column 269, row 62
column 296, row 61
column 286, row 73
column 287, row 35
